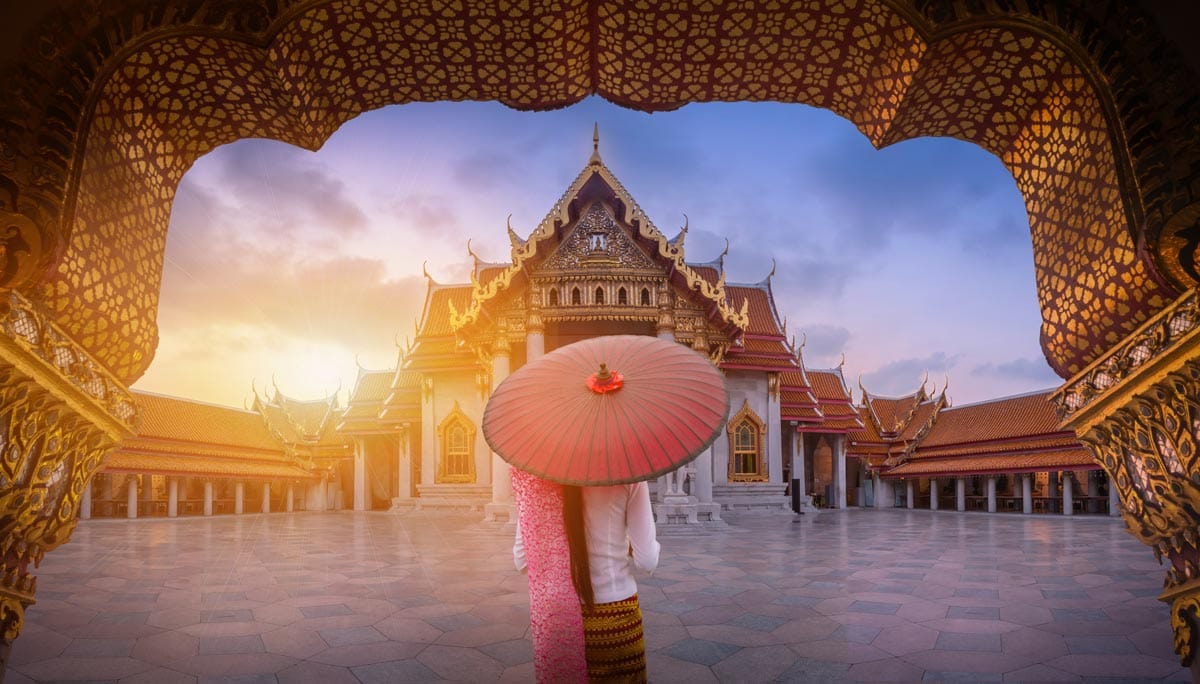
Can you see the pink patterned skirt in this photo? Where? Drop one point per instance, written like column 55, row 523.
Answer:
column 554, row 614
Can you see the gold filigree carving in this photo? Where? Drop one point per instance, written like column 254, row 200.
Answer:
column 456, row 449
column 747, row 434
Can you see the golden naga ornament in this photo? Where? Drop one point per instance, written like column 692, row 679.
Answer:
column 1138, row 409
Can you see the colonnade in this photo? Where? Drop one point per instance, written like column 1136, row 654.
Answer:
column 139, row 499
column 1064, row 500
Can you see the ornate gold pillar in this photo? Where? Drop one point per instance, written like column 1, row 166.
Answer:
column 60, row 411
column 1138, row 409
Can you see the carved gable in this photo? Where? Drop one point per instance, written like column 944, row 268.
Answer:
column 597, row 240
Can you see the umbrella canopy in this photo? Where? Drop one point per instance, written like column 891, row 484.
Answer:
column 607, row 410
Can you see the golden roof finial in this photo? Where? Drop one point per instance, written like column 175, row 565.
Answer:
column 595, row 144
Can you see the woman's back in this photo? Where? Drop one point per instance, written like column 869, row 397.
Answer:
column 617, row 519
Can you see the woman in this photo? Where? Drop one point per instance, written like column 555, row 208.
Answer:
column 610, row 531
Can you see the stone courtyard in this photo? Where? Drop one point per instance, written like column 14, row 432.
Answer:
column 853, row 595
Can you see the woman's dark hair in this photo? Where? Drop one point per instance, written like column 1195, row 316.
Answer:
column 581, row 571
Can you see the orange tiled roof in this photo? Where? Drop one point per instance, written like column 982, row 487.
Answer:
column 763, row 320
column 131, row 461
column 435, row 319
column 1020, row 416
column 828, row 385
column 174, row 418
column 706, row 271
column 1061, row 459
column 372, row 386
column 1060, row 440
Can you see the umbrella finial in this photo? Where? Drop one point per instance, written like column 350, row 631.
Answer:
column 604, row 380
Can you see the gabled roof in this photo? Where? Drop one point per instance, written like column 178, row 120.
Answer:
column 528, row 250
column 1014, row 434
column 764, row 344
column 190, row 438
column 833, row 397
column 366, row 403
column 435, row 345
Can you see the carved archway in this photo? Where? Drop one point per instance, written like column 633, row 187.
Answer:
column 108, row 105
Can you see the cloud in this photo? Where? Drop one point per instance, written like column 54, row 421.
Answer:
column 1025, row 369
column 214, row 271
column 904, row 376
column 486, row 170
column 427, row 214
column 823, row 343
column 286, row 188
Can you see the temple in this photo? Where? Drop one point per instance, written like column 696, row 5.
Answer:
column 409, row 437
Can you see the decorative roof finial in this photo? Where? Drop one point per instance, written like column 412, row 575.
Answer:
column 595, row 145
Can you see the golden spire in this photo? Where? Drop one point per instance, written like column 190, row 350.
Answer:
column 595, row 145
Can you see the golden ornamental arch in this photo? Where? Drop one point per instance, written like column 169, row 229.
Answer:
column 456, row 449
column 107, row 105
column 747, row 434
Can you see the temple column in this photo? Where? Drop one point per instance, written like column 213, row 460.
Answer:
column 266, row 497
column 704, row 476
column 172, row 497
column 322, row 495
column 239, row 496
column 933, row 494
column 774, row 431
column 360, row 474
column 960, row 494
column 208, row 497
column 911, row 501
column 501, row 507
column 839, row 471
column 991, row 493
column 665, row 328
column 798, row 474
column 535, row 328
column 1068, row 493
column 131, row 498
column 290, row 495
column 428, row 453
column 1027, row 493
column 85, row 502
column 878, row 484
column 404, row 471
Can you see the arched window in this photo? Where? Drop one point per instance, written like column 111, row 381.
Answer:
column 599, row 295
column 747, row 446
column 645, row 297
column 622, row 297
column 576, row 297
column 456, row 462
column 553, row 297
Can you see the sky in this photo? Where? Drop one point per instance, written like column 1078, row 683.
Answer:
column 294, row 268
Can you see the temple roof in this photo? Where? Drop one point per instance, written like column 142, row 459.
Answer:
column 1019, row 416
column 366, row 403
column 1010, row 434
column 183, row 437
column 591, row 179
column 833, row 397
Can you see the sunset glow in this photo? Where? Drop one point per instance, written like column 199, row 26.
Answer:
column 288, row 264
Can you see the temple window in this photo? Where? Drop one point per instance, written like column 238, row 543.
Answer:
column 645, row 297
column 553, row 297
column 576, row 296
column 599, row 295
column 622, row 297
column 747, row 436
column 456, row 436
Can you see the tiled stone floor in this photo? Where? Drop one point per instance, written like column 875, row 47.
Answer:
column 378, row 597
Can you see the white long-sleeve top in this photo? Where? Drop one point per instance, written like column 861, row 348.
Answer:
column 616, row 518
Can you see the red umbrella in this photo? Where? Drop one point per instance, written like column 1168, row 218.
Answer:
column 607, row 410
